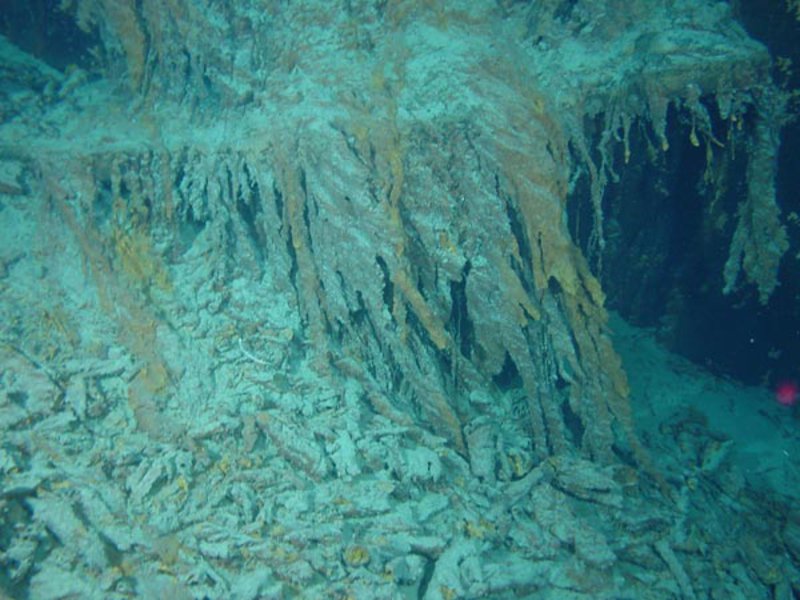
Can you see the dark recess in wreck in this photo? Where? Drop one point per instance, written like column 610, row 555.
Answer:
column 42, row 29
column 668, row 238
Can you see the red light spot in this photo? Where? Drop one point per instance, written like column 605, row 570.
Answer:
column 787, row 393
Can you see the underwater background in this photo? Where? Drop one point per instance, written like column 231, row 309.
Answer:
column 399, row 299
